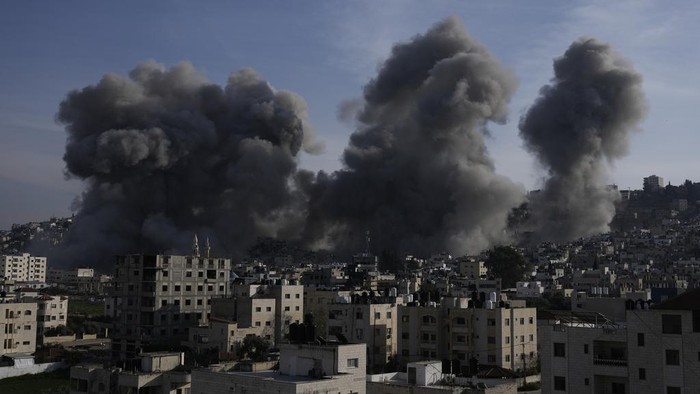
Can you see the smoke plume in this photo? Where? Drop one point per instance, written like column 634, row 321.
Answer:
column 416, row 171
column 580, row 124
column 165, row 153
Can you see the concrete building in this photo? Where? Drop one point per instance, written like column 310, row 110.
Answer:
column 158, row 298
column 52, row 311
column 18, row 321
column 80, row 280
column 303, row 368
column 23, row 268
column 655, row 351
column 222, row 335
column 428, row 377
column 653, row 183
column 374, row 324
column 472, row 268
column 152, row 373
column 494, row 333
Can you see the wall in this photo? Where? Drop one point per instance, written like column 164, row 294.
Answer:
column 8, row 372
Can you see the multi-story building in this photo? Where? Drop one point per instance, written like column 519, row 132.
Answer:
column 17, row 327
column 274, row 306
column 494, row 333
column 372, row 323
column 52, row 311
column 158, row 298
column 472, row 268
column 82, row 280
column 303, row 368
column 317, row 301
column 653, row 183
column 23, row 268
column 655, row 351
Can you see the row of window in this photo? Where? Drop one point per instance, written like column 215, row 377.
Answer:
column 615, row 387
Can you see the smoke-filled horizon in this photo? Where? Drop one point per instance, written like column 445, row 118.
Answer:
column 164, row 154
column 581, row 123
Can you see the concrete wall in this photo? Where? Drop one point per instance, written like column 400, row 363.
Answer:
column 8, row 372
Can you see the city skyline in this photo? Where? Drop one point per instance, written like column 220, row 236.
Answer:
column 326, row 52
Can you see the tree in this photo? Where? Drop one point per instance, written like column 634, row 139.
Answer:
column 508, row 264
column 253, row 347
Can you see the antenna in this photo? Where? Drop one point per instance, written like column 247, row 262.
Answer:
column 367, row 240
column 195, row 246
column 207, row 248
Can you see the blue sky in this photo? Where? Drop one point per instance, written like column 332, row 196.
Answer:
column 326, row 51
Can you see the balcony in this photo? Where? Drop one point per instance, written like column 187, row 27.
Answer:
column 609, row 362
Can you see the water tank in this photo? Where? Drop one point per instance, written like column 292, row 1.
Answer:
column 393, row 292
column 489, row 304
column 285, row 282
column 408, row 298
column 492, row 296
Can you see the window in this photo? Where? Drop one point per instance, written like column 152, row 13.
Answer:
column 358, row 315
column 257, row 309
column 507, row 322
column 287, row 296
column 640, row 339
column 586, row 382
column 257, row 324
column 404, row 319
column 296, row 308
column 353, row 363
column 507, row 358
column 491, row 340
column 585, row 348
column 696, row 321
column 188, row 301
column 177, row 287
column 163, row 302
column 377, row 315
column 559, row 383
column 188, row 274
column 531, row 320
column 559, row 349
column 673, row 390
column 388, row 315
column 177, row 302
column 268, row 308
column 522, row 320
column 165, row 288
column 491, row 358
column 491, row 322
column 165, row 273
column 286, row 309
column 673, row 357
column 642, row 374
column 507, row 340
column 267, row 323
column 671, row 324
column 296, row 295
column 188, row 288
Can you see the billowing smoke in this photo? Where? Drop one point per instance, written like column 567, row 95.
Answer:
column 416, row 172
column 579, row 125
column 166, row 153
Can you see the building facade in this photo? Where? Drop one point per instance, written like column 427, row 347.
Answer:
column 158, row 298
column 18, row 321
column 23, row 268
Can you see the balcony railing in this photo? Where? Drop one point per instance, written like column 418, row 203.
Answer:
column 610, row 362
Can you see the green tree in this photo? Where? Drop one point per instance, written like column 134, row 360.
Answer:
column 508, row 264
column 253, row 347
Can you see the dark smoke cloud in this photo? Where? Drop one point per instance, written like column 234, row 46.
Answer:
column 165, row 153
column 417, row 173
column 581, row 122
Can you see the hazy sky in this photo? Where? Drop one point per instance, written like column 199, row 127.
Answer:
column 326, row 51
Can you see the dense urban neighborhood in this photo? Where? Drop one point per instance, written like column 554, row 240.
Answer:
column 621, row 307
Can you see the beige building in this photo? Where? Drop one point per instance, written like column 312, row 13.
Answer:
column 655, row 351
column 270, row 306
column 83, row 280
column 222, row 335
column 372, row 324
column 317, row 301
column 17, row 327
column 52, row 311
column 494, row 334
column 23, row 268
column 472, row 268
column 152, row 373
column 329, row 368
column 158, row 298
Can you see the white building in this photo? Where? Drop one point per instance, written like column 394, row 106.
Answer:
column 655, row 351
column 23, row 268
column 303, row 368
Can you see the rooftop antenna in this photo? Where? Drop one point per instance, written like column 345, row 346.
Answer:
column 195, row 246
column 367, row 240
column 208, row 248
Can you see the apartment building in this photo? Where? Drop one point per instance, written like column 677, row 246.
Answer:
column 158, row 298
column 222, row 335
column 472, row 268
column 494, row 333
column 274, row 305
column 656, row 350
column 303, row 368
column 372, row 323
column 52, row 311
column 82, row 280
column 17, row 327
column 23, row 268
column 317, row 300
